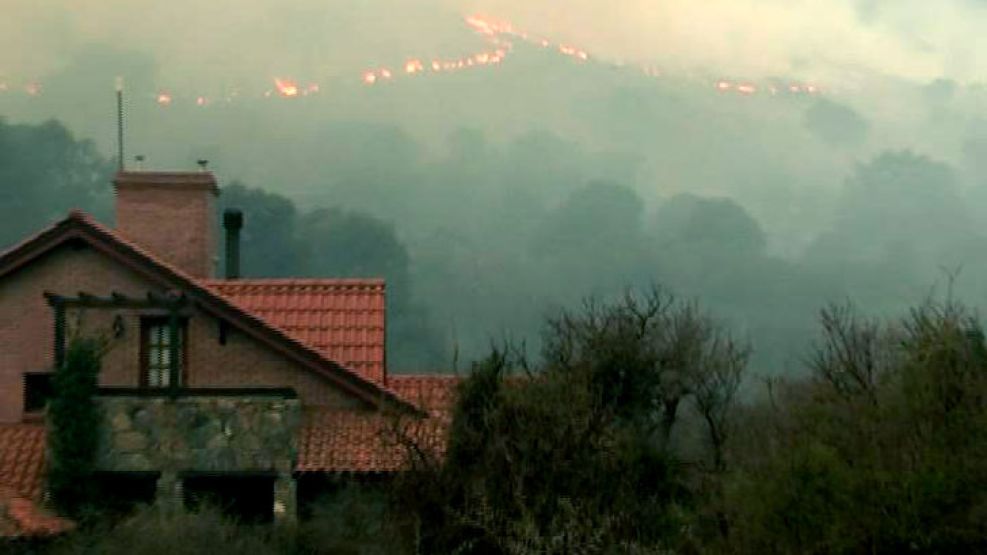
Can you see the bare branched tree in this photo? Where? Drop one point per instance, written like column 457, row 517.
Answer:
column 853, row 355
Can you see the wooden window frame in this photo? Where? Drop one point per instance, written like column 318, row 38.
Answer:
column 147, row 322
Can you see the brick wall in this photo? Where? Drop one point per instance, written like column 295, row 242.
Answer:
column 27, row 322
column 26, row 335
column 172, row 215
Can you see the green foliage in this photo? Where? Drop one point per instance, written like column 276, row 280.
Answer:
column 355, row 520
column 153, row 531
column 882, row 451
column 836, row 124
column 627, row 438
column 74, row 419
column 278, row 241
column 576, row 455
column 45, row 171
column 687, row 222
column 271, row 246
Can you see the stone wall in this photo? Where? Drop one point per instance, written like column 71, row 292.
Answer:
column 199, row 433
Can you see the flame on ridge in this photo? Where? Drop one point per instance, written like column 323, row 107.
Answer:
column 286, row 87
column 501, row 36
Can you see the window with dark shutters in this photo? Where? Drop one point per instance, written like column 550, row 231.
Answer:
column 156, row 352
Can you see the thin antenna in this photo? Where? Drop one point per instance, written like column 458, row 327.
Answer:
column 119, row 83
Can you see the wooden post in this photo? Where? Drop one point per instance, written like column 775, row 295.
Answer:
column 170, row 495
column 285, row 500
column 59, row 333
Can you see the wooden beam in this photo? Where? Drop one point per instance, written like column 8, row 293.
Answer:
column 59, row 335
column 117, row 300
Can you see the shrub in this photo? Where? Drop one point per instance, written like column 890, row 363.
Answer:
column 153, row 531
column 576, row 455
column 882, row 450
column 74, row 419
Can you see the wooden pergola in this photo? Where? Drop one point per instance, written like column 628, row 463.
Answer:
column 173, row 303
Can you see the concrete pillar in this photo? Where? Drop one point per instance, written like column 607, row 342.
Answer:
column 285, row 500
column 170, row 495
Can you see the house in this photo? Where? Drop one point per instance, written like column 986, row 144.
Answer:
column 248, row 388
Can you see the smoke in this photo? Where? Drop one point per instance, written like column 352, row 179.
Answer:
column 235, row 40
column 222, row 41
column 814, row 38
column 543, row 179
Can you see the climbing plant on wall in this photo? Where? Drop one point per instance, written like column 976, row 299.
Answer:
column 73, row 423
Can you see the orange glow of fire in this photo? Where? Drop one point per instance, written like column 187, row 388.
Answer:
column 286, row 88
column 500, row 38
column 746, row 89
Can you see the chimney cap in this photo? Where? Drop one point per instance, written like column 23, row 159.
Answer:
column 170, row 180
column 232, row 218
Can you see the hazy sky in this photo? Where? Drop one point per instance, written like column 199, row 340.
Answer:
column 229, row 39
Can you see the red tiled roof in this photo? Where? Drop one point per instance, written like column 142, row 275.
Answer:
column 341, row 318
column 349, row 441
column 22, row 467
column 21, row 517
column 22, row 458
column 362, row 442
column 435, row 393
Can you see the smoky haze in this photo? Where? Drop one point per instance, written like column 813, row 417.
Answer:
column 520, row 187
column 225, row 38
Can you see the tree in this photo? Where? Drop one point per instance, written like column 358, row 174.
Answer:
column 707, row 226
column 836, row 124
column 899, row 214
column 278, row 241
column 598, row 218
column 343, row 243
column 74, row 420
column 271, row 246
column 577, row 453
column 880, row 450
column 44, row 172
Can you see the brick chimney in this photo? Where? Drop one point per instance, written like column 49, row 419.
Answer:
column 172, row 215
